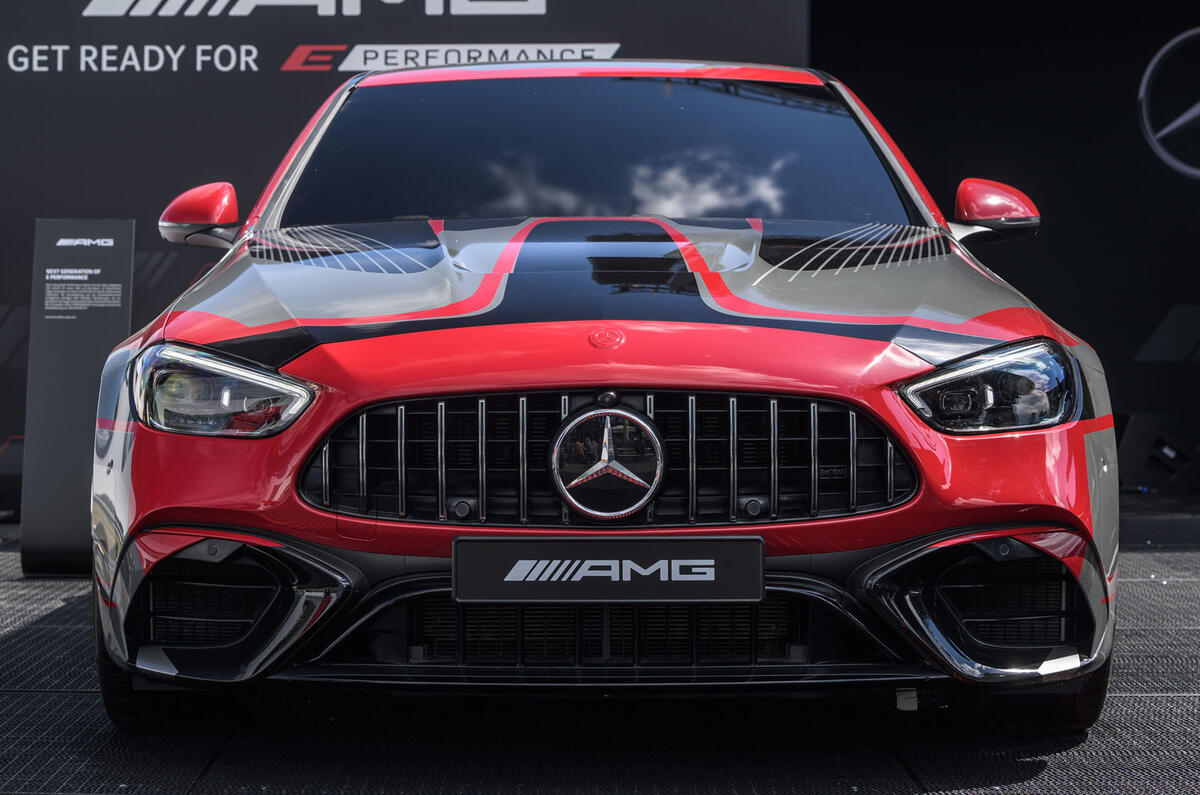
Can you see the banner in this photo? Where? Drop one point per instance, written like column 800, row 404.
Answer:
column 82, row 272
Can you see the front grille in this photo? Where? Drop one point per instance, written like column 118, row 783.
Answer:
column 434, row 630
column 195, row 603
column 1031, row 602
column 730, row 458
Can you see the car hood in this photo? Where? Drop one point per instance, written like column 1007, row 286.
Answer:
column 281, row 292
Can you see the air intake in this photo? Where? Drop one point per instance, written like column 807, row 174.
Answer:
column 199, row 604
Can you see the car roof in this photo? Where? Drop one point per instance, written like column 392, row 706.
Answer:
column 595, row 68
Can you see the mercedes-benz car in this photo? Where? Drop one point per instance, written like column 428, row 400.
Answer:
column 632, row 377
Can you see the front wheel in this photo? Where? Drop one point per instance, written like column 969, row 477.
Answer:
column 127, row 708
column 135, row 710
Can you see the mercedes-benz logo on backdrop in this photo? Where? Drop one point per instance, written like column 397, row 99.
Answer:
column 607, row 463
column 1170, row 89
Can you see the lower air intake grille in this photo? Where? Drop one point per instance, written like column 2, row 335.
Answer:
column 1034, row 602
column 435, row 630
column 195, row 603
column 730, row 459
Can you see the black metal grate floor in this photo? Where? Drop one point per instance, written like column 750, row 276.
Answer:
column 54, row 736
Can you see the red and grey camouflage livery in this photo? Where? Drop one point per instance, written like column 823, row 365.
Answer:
column 287, row 457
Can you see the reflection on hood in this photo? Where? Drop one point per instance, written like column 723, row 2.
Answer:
column 282, row 291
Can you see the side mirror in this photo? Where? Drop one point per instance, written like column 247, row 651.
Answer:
column 203, row 216
column 986, row 211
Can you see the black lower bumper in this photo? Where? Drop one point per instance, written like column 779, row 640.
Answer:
column 412, row 632
column 874, row 616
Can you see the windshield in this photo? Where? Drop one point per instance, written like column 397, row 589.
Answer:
column 594, row 146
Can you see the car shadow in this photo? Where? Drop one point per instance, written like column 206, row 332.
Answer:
column 284, row 740
column 732, row 744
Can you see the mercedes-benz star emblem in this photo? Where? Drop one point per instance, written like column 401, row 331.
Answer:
column 607, row 339
column 607, row 463
column 1172, row 132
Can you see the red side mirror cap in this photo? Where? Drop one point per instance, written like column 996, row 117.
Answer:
column 1001, row 209
column 203, row 216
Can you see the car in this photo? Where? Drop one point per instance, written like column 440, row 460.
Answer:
column 637, row 377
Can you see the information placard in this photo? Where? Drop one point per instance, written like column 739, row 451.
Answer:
column 82, row 277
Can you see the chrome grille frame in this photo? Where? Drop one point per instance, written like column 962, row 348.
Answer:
column 731, row 458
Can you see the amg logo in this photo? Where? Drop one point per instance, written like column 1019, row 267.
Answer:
column 615, row 570
column 325, row 8
column 106, row 242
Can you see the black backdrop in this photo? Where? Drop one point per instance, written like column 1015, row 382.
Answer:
column 1044, row 99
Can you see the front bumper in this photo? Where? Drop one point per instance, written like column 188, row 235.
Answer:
column 340, row 616
column 188, row 491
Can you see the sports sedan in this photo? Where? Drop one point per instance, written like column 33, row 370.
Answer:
column 605, row 376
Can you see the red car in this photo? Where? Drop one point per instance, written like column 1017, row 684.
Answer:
column 613, row 376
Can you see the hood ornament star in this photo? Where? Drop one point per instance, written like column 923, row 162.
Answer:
column 607, row 465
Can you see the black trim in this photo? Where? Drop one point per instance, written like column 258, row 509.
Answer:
column 276, row 349
column 1002, row 230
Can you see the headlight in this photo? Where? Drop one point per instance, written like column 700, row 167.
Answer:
column 188, row 391
column 1028, row 385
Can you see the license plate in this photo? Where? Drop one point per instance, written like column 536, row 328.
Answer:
column 719, row 569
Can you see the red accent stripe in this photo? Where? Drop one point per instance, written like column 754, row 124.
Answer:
column 772, row 74
column 437, row 226
column 755, row 224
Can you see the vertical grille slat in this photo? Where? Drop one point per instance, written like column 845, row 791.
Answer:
column 362, row 463
column 441, row 459
column 774, row 448
column 691, row 457
column 730, row 458
column 522, row 453
column 481, row 447
column 890, row 474
column 401, row 470
column 325, row 474
column 853, row 465
column 564, row 408
column 733, row 473
column 814, row 460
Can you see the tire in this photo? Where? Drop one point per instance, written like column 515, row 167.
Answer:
column 134, row 710
column 1041, row 713
column 128, row 709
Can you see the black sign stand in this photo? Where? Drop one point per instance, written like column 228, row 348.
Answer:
column 82, row 276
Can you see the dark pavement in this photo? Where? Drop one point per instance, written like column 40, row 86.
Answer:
column 54, row 736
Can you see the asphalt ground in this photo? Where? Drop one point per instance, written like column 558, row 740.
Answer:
column 54, row 736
